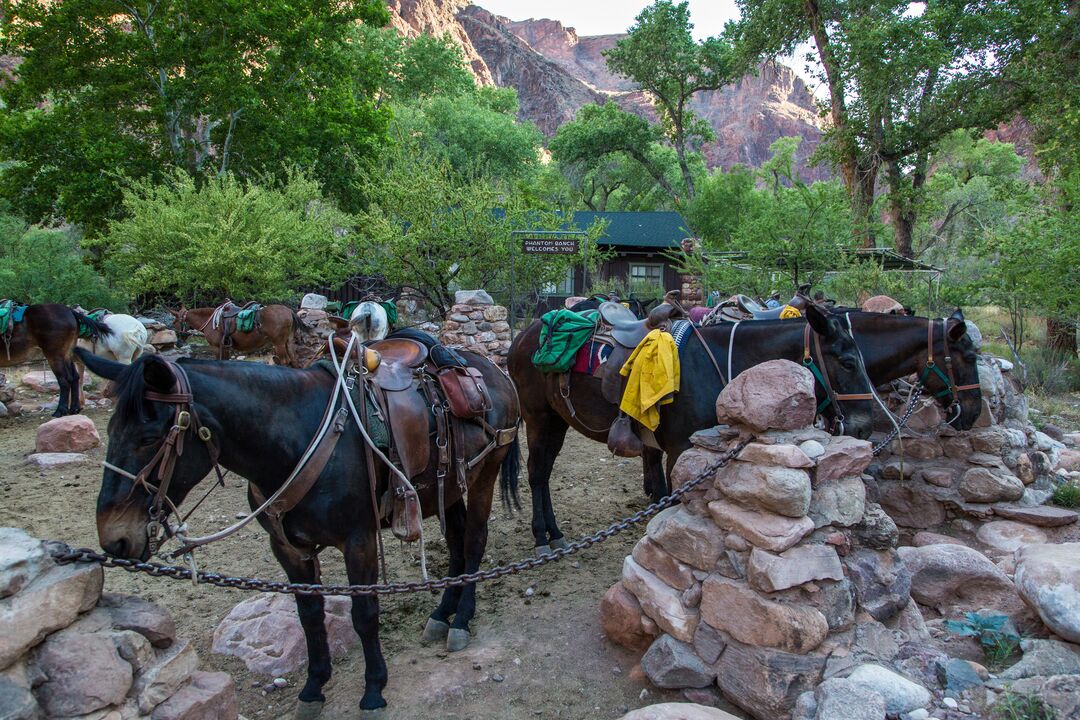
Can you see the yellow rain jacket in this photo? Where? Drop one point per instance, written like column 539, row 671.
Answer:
column 653, row 372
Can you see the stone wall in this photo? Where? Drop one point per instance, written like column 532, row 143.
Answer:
column 476, row 323
column 774, row 574
column 68, row 650
column 7, row 398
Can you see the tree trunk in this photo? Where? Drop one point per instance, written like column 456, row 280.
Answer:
column 863, row 182
column 1061, row 337
column 680, row 150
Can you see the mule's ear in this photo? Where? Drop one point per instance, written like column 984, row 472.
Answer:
column 98, row 365
column 957, row 329
column 818, row 319
column 158, row 375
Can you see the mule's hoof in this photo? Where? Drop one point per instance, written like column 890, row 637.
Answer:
column 308, row 710
column 458, row 639
column 376, row 714
column 559, row 543
column 542, row 550
column 435, row 630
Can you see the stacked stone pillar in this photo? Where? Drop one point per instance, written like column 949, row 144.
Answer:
column 476, row 323
column 776, row 570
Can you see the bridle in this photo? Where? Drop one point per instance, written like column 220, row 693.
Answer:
column 185, row 419
column 948, row 377
column 822, row 376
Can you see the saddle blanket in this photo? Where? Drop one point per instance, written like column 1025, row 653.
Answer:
column 10, row 313
column 591, row 356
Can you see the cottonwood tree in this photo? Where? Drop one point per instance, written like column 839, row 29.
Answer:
column 900, row 76
column 115, row 87
column 661, row 55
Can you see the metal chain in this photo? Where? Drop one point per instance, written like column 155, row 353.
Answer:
column 64, row 554
column 916, row 391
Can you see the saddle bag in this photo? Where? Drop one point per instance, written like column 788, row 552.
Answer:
column 465, row 391
column 405, row 523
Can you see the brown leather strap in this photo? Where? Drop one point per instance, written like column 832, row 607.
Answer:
column 837, row 397
column 709, row 352
column 564, row 392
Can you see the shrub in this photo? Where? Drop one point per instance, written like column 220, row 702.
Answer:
column 47, row 265
column 1066, row 495
column 1013, row 706
column 995, row 634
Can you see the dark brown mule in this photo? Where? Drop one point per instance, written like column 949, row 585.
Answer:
column 277, row 327
column 53, row 329
column 261, row 418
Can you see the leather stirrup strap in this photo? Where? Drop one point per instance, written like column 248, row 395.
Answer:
column 709, row 352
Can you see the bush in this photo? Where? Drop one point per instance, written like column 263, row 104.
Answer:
column 222, row 237
column 1013, row 706
column 47, row 265
column 1049, row 373
column 1066, row 495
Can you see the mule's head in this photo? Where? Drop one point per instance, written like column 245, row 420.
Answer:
column 843, row 366
column 965, row 405
column 137, row 430
column 369, row 321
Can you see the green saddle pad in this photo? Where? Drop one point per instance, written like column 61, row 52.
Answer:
column 562, row 333
column 85, row 330
column 245, row 320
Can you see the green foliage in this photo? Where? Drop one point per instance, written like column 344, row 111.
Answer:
column 1014, row 706
column 660, row 54
column 227, row 238
column 417, row 67
column 108, row 90
column 995, row 634
column 40, row 265
column 1066, row 494
column 437, row 230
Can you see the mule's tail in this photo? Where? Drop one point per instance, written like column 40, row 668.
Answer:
column 95, row 328
column 508, row 479
column 300, row 328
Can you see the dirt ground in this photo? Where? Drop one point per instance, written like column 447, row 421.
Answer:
column 538, row 654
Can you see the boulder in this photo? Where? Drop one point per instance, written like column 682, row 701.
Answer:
column 876, row 530
column 128, row 612
column 70, row 434
column 882, row 582
column 923, row 538
column 914, row 448
column 1008, row 536
column 812, row 449
column 910, row 505
column 765, row 530
column 1048, row 577
column 766, row 683
column 782, row 490
column 1059, row 693
column 709, row 643
column 802, row 564
column 22, row 558
column 1041, row 515
column 677, row 711
column 783, row 455
column 163, row 339
column 1044, row 657
column 209, row 696
column 947, row 576
column 660, row 602
column 17, row 702
column 901, row 695
column 694, row 463
column 264, row 632
column 844, row 457
column 1068, row 460
column 671, row 663
column 42, row 381
column 473, row 297
column 777, row 394
column 939, row 476
column 734, row 608
column 840, row 501
column 690, row 538
column 172, row 668
column 49, row 460
column 50, row 601
column 988, row 485
column 83, row 673
column 621, row 618
column 665, row 566
column 844, row 699
column 313, row 301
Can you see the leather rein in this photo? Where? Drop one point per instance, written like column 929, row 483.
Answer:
column 948, row 378
column 821, row 374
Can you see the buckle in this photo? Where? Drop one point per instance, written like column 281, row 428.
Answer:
column 205, row 434
column 183, row 420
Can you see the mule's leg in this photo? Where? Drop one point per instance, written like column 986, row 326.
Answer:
column 301, row 568
column 652, row 467
column 68, row 401
column 362, row 566
column 545, row 441
column 475, row 541
column 438, row 625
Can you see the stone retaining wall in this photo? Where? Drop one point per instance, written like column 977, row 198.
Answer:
column 68, row 650
column 476, row 323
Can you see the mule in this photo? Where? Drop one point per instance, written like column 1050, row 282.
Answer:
column 53, row 329
column 548, row 416
column 369, row 321
column 278, row 327
column 125, row 343
column 258, row 420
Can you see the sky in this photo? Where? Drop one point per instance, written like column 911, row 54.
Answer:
column 603, row 17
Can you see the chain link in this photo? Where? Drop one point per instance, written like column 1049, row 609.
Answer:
column 916, row 391
column 64, row 554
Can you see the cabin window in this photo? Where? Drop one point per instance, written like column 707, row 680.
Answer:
column 565, row 287
column 646, row 277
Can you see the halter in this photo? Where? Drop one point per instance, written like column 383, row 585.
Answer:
column 185, row 418
column 948, row 378
column 822, row 376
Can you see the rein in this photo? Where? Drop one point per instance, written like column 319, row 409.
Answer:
column 948, row 378
column 821, row 373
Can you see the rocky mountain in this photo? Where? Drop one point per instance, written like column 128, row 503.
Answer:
column 555, row 72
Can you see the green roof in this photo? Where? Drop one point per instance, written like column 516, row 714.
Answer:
column 658, row 230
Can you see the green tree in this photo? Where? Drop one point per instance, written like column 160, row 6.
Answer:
column 900, row 78
column 227, row 237
column 109, row 88
column 417, row 67
column 661, row 55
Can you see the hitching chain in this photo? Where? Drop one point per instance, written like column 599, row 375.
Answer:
column 916, row 391
column 64, row 554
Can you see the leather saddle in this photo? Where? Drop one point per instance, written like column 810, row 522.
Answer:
column 743, row 307
column 627, row 330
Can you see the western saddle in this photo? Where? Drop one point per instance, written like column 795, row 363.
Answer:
column 742, row 307
column 231, row 318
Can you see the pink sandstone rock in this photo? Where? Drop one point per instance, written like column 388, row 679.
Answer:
column 660, row 602
column 750, row 618
column 777, row 394
column 621, row 618
column 71, row 434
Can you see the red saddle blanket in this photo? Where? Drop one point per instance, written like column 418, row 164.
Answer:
column 591, row 356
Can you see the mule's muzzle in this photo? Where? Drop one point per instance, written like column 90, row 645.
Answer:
column 122, row 530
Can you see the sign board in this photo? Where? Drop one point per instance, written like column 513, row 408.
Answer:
column 549, row 245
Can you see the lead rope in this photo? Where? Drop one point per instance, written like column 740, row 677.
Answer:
column 895, row 432
column 731, row 349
